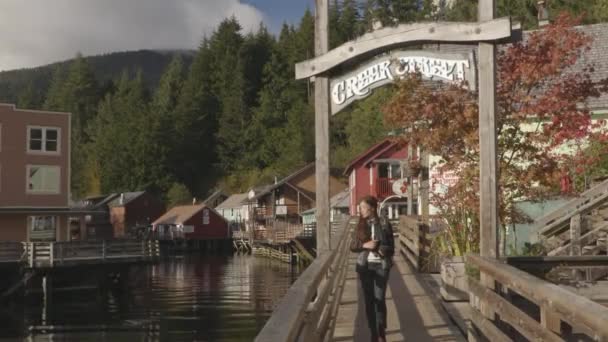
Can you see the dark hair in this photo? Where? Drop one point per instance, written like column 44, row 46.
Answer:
column 364, row 233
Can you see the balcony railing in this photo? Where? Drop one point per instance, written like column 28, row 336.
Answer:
column 384, row 187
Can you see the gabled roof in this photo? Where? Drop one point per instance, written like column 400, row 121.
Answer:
column 128, row 197
column 371, row 153
column 215, row 195
column 94, row 202
column 234, row 201
column 180, row 214
column 339, row 200
column 267, row 189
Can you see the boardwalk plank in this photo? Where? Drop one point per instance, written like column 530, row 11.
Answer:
column 413, row 313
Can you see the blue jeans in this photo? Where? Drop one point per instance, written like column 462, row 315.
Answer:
column 374, row 280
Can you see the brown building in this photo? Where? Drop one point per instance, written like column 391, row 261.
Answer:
column 129, row 210
column 34, row 174
column 287, row 198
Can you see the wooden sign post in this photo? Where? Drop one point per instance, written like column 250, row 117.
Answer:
column 488, row 187
column 357, row 85
column 322, row 130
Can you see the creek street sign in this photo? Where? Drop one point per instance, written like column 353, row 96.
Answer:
column 388, row 68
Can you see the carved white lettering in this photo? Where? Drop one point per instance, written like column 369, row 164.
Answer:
column 451, row 70
column 360, row 84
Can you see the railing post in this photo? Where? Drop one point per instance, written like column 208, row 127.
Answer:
column 103, row 250
column 31, row 253
column 550, row 320
column 575, row 241
column 51, row 252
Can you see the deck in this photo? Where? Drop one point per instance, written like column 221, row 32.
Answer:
column 36, row 255
column 414, row 313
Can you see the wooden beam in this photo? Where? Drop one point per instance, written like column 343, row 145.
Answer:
column 522, row 322
column 576, row 310
column 322, row 131
column 487, row 139
column 390, row 37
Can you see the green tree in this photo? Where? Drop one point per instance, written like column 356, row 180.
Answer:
column 78, row 94
column 195, row 123
column 178, row 194
column 348, row 22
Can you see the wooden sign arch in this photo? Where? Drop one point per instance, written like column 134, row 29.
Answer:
column 486, row 32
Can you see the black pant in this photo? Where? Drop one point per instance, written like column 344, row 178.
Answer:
column 374, row 280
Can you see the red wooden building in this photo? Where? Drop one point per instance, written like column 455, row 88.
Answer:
column 191, row 222
column 373, row 172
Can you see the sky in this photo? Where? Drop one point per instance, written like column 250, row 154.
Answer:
column 39, row 32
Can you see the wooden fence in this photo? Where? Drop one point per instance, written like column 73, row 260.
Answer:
column 57, row 254
column 415, row 242
column 308, row 310
column 508, row 302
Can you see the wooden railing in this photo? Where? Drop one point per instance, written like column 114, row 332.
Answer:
column 11, row 252
column 507, row 302
column 308, row 310
column 53, row 254
column 415, row 244
column 384, row 187
column 551, row 223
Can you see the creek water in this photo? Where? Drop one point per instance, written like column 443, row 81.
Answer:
column 190, row 298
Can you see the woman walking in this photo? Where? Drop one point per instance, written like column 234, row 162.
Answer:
column 373, row 240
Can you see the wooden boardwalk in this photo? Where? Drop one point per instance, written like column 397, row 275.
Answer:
column 414, row 313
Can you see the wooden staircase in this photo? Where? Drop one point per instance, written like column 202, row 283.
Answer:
column 578, row 228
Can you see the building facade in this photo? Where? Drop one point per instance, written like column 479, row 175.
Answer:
column 34, row 174
column 373, row 172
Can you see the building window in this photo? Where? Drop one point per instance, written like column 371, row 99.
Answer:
column 205, row 216
column 43, row 139
column 42, row 227
column 43, row 179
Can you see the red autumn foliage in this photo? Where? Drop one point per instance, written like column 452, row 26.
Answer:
column 541, row 106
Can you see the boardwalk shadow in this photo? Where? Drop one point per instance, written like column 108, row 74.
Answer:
column 410, row 321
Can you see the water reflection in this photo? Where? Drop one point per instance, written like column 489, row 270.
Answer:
column 196, row 298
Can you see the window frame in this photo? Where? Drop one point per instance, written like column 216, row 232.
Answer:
column 42, row 192
column 43, row 141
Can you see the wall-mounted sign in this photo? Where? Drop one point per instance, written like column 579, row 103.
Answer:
column 388, row 68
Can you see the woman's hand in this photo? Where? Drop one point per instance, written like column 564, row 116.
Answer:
column 371, row 245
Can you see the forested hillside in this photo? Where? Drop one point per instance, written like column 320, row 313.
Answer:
column 28, row 87
column 229, row 114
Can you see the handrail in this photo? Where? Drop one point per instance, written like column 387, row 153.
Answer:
column 49, row 254
column 584, row 202
column 308, row 310
column 556, row 304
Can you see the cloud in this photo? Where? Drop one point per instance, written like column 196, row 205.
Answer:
column 37, row 32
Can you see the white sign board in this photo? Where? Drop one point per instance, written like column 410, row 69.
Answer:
column 388, row 68
column 188, row 229
column 400, row 187
column 281, row 210
column 439, row 182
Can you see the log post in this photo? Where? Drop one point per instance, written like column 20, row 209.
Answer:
column 488, row 186
column 322, row 130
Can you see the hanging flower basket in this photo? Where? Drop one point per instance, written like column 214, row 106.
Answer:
column 413, row 168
